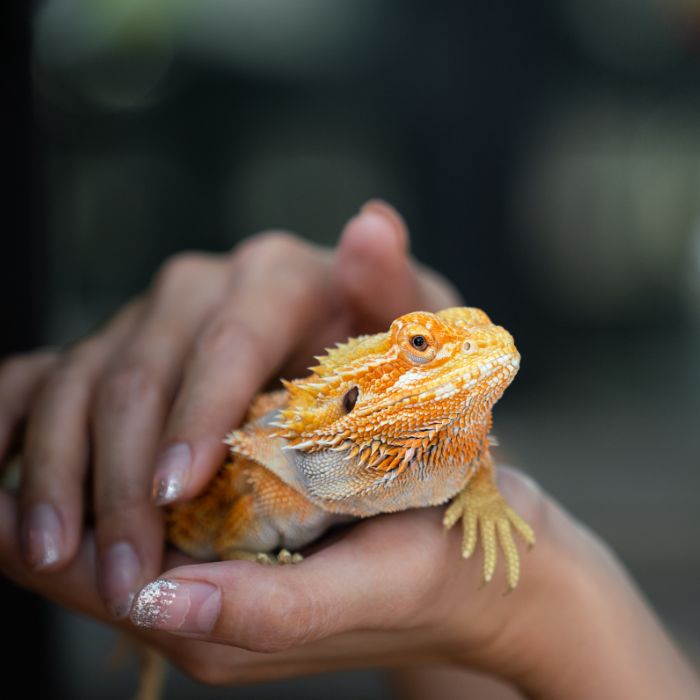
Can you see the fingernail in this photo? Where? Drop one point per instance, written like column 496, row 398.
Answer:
column 43, row 536
column 389, row 215
column 120, row 574
column 171, row 473
column 177, row 606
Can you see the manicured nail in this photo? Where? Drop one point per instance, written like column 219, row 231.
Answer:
column 171, row 473
column 191, row 607
column 120, row 577
column 43, row 536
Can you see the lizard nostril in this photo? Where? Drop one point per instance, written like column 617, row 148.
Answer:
column 350, row 399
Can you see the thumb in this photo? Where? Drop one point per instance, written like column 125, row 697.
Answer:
column 376, row 275
column 366, row 580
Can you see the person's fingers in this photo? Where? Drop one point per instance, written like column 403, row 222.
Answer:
column 376, row 275
column 129, row 409
column 20, row 376
column 56, row 448
column 400, row 559
column 75, row 585
column 280, row 293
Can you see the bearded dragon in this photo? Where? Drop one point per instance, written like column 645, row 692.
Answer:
column 385, row 422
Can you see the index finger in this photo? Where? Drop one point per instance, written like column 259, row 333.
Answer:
column 281, row 290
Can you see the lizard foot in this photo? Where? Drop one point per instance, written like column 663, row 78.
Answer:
column 482, row 507
column 284, row 556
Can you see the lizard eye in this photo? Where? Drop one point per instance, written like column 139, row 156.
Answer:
column 419, row 342
column 350, row 399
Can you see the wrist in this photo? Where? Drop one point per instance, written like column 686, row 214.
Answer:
column 576, row 627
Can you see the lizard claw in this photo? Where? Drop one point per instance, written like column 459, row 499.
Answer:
column 284, row 556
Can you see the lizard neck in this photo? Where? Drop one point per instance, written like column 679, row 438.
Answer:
column 345, row 479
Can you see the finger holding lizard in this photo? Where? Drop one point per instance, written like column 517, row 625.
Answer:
column 129, row 404
column 278, row 293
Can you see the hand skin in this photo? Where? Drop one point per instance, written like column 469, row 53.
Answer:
column 179, row 365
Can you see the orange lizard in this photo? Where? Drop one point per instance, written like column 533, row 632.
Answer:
column 385, row 422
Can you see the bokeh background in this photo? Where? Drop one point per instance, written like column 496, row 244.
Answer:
column 546, row 155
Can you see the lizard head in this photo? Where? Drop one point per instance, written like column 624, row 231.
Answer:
column 388, row 397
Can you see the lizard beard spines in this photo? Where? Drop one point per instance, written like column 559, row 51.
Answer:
column 378, row 442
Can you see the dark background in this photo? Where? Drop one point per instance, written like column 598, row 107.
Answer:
column 546, row 156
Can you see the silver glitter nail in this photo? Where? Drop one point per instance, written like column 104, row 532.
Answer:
column 151, row 605
column 166, row 490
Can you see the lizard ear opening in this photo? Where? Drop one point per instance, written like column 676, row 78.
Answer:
column 350, row 399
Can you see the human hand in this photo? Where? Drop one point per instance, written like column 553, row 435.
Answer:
column 174, row 370
column 393, row 591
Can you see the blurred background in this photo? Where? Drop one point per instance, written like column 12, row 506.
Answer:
column 546, row 156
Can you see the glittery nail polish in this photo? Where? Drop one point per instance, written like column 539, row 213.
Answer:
column 190, row 607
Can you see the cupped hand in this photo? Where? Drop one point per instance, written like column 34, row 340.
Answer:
column 393, row 591
column 147, row 399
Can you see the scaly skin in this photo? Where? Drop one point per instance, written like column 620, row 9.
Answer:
column 385, row 422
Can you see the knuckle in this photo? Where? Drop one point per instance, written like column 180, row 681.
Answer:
column 26, row 363
column 227, row 333
column 12, row 364
column 80, row 355
column 268, row 249
column 121, row 507
column 69, row 371
column 124, row 386
column 179, row 269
